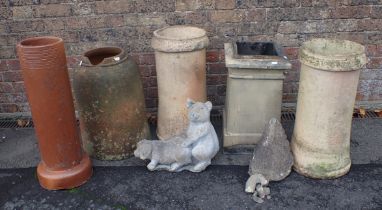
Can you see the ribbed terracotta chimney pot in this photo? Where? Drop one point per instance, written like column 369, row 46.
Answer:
column 63, row 163
column 180, row 57
column 328, row 85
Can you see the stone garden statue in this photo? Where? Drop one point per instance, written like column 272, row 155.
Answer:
column 272, row 161
column 192, row 150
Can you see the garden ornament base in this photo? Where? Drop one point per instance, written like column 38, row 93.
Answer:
column 254, row 90
column 192, row 150
column 63, row 164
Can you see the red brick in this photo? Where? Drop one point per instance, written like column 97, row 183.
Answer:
column 289, row 98
column 211, row 90
column 374, row 63
column 6, row 87
column 22, row 12
column 291, row 3
column 3, row 65
column 189, row 5
column 216, row 79
column 147, row 59
column 216, row 68
column 152, row 82
column 153, row 71
column 256, row 15
column 222, row 55
column 18, row 87
column 225, row 4
column 371, row 74
column 351, row 12
column 291, row 52
column 374, row 38
column 15, row 98
column 291, row 76
column 145, row 71
column 152, row 92
column 151, row 103
column 23, row 107
column 212, row 56
column 370, row 25
column 374, row 50
column 221, row 90
column 376, row 12
column 13, row 64
column 54, row 24
column 53, row 10
column 227, row 16
column 216, row 100
column 9, row 108
column 290, row 87
column 296, row 65
column 12, row 76
column 118, row 6
column 7, row 52
column 83, row 8
column 26, row 25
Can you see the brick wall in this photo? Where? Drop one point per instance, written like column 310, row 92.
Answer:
column 130, row 23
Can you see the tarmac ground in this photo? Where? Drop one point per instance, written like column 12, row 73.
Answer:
column 128, row 184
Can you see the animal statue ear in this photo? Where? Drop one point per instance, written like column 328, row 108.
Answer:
column 209, row 105
column 190, row 103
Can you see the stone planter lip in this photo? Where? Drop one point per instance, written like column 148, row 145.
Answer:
column 333, row 54
column 39, row 42
column 179, row 38
column 113, row 56
column 254, row 62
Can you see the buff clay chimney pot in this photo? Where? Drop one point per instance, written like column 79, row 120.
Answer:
column 328, row 85
column 180, row 57
column 63, row 163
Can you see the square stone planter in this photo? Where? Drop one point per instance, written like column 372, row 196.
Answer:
column 254, row 90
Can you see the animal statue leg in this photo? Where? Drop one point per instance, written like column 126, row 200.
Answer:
column 152, row 165
column 183, row 158
column 201, row 166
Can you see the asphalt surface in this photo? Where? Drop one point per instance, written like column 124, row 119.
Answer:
column 219, row 187
column 129, row 185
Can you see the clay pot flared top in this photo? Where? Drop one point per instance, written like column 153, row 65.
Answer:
column 333, row 54
column 103, row 56
column 179, row 39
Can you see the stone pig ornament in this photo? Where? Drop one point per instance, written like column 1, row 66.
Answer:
column 192, row 150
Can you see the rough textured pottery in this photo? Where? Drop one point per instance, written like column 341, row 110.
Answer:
column 328, row 84
column 111, row 103
column 63, row 163
column 254, row 90
column 180, row 57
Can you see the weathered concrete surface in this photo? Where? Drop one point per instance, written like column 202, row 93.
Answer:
column 262, row 76
column 219, row 187
column 272, row 157
column 18, row 147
